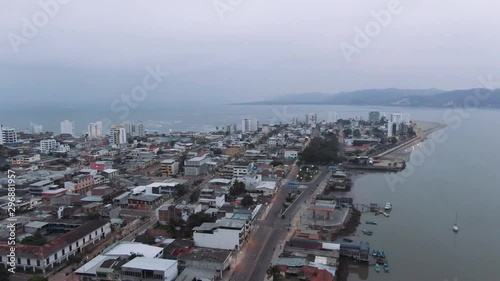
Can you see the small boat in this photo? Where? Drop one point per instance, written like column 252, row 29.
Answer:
column 367, row 232
column 377, row 267
column 388, row 206
column 347, row 240
column 374, row 253
column 386, row 267
column 371, row 222
column 382, row 254
column 455, row 226
column 385, row 214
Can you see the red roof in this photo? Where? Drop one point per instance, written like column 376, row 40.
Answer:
column 314, row 274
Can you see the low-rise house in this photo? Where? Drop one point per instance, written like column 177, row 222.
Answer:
column 149, row 269
column 212, row 259
column 145, row 201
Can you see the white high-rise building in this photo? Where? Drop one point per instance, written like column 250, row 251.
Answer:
column 311, row 118
column 332, row 117
column 7, row 135
column 134, row 129
column 249, row 125
column 35, row 128
column 68, row 127
column 48, row 145
column 95, row 129
column 395, row 122
column 118, row 135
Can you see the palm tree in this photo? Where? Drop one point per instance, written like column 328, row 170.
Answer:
column 274, row 272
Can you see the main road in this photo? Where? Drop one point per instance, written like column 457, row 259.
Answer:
column 257, row 255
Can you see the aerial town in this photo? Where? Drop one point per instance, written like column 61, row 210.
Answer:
column 249, row 201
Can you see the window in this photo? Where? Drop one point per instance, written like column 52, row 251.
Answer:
column 70, row 248
column 63, row 252
column 37, row 262
column 28, row 261
column 77, row 243
column 18, row 260
column 83, row 240
column 55, row 256
column 48, row 262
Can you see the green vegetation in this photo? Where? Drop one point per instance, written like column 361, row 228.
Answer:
column 247, row 201
column 180, row 191
column 321, row 151
column 306, row 173
column 237, row 189
column 277, row 163
column 35, row 240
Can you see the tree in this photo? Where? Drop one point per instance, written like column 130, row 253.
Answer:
column 13, row 152
column 159, row 152
column 393, row 140
column 180, row 191
column 4, row 274
column 347, row 132
column 277, row 163
column 356, row 133
column 4, row 168
column 217, row 151
column 35, row 240
column 273, row 271
column 193, row 198
column 247, row 201
column 411, row 132
column 237, row 189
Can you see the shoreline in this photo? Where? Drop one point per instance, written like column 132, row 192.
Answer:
column 425, row 128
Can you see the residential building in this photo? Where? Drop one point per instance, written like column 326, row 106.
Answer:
column 213, row 259
column 68, row 127
column 196, row 166
column 76, row 238
column 311, row 118
column 35, row 128
column 7, row 135
column 118, row 135
column 169, row 167
column 101, row 165
column 396, row 122
column 291, row 154
column 249, row 125
column 95, row 129
column 242, row 169
column 134, row 129
column 333, row 117
column 180, row 211
column 228, row 234
column 145, row 201
column 25, row 159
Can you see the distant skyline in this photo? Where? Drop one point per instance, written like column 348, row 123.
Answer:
column 96, row 51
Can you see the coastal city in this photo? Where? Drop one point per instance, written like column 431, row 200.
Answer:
column 248, row 201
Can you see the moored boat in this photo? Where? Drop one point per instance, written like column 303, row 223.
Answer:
column 347, row 240
column 388, row 206
column 377, row 267
column 386, row 267
column 367, row 232
column 371, row 222
column 385, row 214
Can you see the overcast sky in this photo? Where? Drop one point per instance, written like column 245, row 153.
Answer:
column 92, row 50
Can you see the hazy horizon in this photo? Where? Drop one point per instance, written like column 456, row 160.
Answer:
column 257, row 50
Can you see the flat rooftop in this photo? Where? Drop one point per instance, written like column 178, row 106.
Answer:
column 127, row 248
column 150, row 263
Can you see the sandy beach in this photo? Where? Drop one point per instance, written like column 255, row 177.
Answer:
column 424, row 129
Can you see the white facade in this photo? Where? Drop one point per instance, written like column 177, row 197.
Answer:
column 225, row 234
column 134, row 129
column 68, row 127
column 150, row 269
column 333, row 117
column 311, row 118
column 48, row 145
column 249, row 125
column 291, row 154
column 8, row 135
column 118, row 135
column 35, row 128
column 95, row 129
column 398, row 119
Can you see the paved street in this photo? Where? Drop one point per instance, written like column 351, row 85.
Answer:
column 257, row 255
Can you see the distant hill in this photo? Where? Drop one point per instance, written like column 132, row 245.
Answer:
column 395, row 97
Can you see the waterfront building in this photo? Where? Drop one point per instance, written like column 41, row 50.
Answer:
column 35, row 128
column 68, row 127
column 134, row 129
column 95, row 129
column 249, row 125
column 397, row 122
column 118, row 135
column 8, row 135
column 332, row 117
